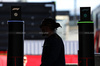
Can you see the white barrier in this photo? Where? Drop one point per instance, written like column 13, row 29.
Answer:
column 34, row 47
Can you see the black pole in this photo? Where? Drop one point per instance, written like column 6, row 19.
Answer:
column 15, row 39
column 86, row 39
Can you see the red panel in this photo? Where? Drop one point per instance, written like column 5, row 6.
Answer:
column 3, row 60
column 71, row 59
column 35, row 60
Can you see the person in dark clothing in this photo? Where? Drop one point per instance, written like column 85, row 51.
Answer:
column 53, row 48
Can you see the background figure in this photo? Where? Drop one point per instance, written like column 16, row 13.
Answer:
column 25, row 60
column 53, row 48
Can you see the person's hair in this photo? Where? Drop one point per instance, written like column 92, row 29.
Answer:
column 51, row 23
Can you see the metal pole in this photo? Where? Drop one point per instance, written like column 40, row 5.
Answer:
column 22, row 0
column 75, row 15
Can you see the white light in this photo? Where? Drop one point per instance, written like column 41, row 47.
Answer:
column 15, row 14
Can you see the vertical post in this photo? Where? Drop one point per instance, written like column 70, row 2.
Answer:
column 15, row 38
column 22, row 0
column 86, row 38
column 75, row 15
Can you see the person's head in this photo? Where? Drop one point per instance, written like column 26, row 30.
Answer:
column 48, row 26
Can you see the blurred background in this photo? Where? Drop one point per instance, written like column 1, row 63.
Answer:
column 65, row 12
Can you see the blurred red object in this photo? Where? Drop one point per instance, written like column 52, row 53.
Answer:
column 3, row 52
column 3, row 60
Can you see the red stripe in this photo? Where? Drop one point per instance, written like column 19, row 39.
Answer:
column 35, row 60
column 3, row 52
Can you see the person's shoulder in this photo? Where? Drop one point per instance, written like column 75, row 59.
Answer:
column 54, row 38
column 58, row 37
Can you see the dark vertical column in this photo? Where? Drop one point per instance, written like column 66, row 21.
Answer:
column 15, row 39
column 86, row 39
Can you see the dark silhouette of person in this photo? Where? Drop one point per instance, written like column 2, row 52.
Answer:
column 53, row 48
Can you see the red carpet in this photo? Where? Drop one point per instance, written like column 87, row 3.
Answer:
column 35, row 60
